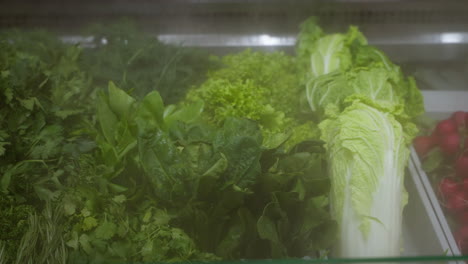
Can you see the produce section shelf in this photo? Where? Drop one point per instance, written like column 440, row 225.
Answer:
column 436, row 55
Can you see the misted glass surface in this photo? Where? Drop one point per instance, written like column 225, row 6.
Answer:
column 233, row 132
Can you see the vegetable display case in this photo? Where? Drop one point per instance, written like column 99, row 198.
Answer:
column 428, row 39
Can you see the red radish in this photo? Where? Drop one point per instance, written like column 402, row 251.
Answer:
column 457, row 202
column 423, row 145
column 448, row 187
column 461, row 168
column 445, row 127
column 450, row 143
column 459, row 118
column 465, row 145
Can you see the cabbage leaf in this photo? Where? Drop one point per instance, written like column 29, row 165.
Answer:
column 366, row 105
column 368, row 152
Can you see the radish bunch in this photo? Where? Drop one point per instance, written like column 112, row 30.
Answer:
column 444, row 155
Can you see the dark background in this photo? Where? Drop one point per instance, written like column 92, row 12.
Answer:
column 409, row 31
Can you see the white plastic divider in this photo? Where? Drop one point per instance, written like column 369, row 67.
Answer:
column 439, row 105
column 432, row 206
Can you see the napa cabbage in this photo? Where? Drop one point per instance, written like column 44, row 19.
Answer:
column 366, row 106
column 367, row 151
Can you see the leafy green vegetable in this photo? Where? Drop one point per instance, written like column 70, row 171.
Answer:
column 263, row 87
column 48, row 92
column 333, row 52
column 199, row 189
column 377, row 83
column 43, row 242
column 13, row 223
column 139, row 63
column 43, row 93
column 367, row 178
column 366, row 104
column 294, row 221
column 310, row 31
column 93, row 175
column 273, row 74
column 343, row 65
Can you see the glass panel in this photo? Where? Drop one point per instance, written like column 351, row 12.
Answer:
column 46, row 161
column 420, row 259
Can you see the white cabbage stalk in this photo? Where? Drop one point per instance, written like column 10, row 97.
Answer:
column 368, row 152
